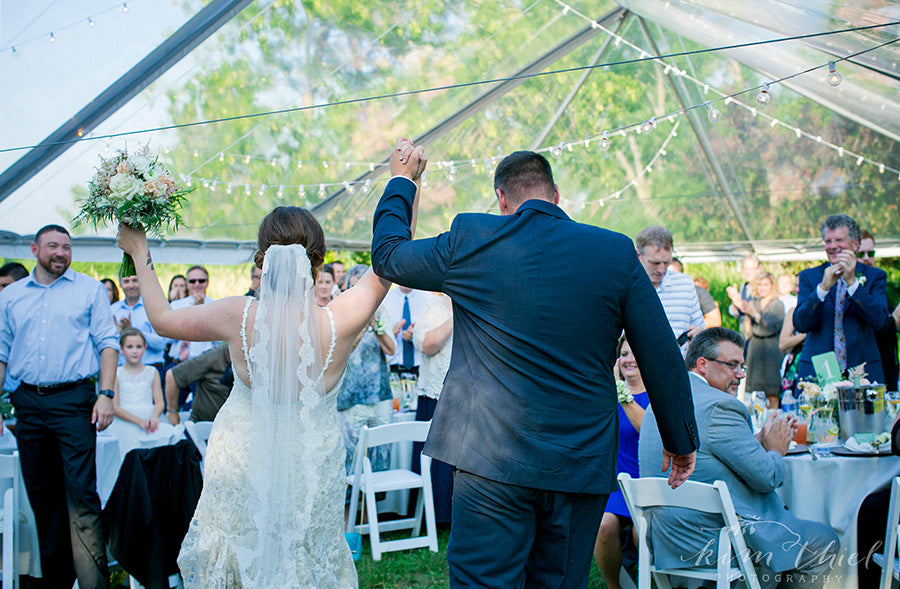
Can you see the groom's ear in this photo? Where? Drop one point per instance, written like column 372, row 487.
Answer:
column 501, row 199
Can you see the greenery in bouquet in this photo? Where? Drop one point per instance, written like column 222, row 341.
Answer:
column 135, row 189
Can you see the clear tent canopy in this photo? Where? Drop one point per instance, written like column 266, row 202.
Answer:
column 643, row 113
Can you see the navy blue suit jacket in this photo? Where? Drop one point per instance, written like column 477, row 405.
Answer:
column 539, row 302
column 864, row 312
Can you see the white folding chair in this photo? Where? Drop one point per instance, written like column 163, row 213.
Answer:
column 641, row 494
column 9, row 474
column 199, row 433
column 363, row 480
column 891, row 540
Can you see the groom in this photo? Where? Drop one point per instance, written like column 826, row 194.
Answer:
column 528, row 411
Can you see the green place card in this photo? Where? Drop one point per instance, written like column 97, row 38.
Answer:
column 826, row 367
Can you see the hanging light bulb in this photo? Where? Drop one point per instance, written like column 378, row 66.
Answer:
column 860, row 160
column 189, row 182
column 711, row 113
column 196, row 153
column 321, row 191
column 246, row 190
column 648, row 126
column 222, row 157
column 301, row 192
column 205, row 183
column 324, row 163
column 52, row 38
column 246, row 159
column 273, row 163
column 228, row 188
column 371, row 166
column 299, row 164
column 262, row 190
column 91, row 23
column 451, row 175
column 833, row 78
column 350, row 188
column 556, row 150
column 212, row 187
column 424, row 179
column 604, row 141
column 280, row 193
column 124, row 7
column 763, row 98
column 367, row 186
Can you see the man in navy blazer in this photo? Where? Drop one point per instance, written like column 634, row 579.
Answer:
column 528, row 412
column 864, row 308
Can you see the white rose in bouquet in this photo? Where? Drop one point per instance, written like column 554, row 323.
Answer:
column 124, row 187
column 141, row 163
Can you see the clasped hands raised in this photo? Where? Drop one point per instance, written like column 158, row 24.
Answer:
column 408, row 160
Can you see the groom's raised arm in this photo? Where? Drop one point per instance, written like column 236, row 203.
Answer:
column 420, row 264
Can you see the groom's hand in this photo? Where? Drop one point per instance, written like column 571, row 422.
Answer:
column 408, row 160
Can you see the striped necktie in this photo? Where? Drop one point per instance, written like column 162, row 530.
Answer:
column 840, row 341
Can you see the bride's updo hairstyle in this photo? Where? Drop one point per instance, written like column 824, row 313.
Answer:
column 287, row 226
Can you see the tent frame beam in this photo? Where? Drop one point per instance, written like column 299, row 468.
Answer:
column 200, row 27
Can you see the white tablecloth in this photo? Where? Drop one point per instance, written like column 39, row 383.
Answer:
column 830, row 490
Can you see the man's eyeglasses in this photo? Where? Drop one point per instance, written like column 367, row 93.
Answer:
column 197, row 280
column 733, row 366
column 870, row 253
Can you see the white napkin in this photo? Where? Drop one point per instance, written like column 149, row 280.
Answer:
column 855, row 446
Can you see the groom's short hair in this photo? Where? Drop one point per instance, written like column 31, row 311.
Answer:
column 523, row 175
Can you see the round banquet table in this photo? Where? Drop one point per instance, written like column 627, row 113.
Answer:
column 830, row 490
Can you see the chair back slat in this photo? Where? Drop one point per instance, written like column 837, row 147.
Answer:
column 403, row 431
column 655, row 492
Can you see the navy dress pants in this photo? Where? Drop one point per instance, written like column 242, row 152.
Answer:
column 57, row 448
column 509, row 537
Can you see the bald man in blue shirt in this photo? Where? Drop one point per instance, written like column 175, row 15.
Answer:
column 56, row 333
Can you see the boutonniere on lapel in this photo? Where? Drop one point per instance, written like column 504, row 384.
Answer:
column 861, row 279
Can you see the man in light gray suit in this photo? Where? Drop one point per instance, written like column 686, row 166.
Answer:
column 787, row 551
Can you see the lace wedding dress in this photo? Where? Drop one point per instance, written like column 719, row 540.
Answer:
column 271, row 513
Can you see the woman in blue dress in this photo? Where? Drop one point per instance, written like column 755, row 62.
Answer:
column 632, row 402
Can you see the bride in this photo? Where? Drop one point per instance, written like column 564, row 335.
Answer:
column 271, row 510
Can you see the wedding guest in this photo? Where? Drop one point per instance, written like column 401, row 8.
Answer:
column 365, row 397
column 871, row 524
column 786, row 285
column 886, row 335
column 255, row 275
column 197, row 284
column 208, row 372
column 56, row 333
column 130, row 312
column 633, row 401
column 841, row 303
column 763, row 318
column 712, row 316
column 403, row 306
column 324, row 285
column 676, row 291
column 749, row 269
column 177, row 288
column 138, row 401
column 10, row 272
column 433, row 337
column 784, row 547
column 340, row 278
column 111, row 289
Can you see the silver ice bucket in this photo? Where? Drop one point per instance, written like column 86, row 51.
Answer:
column 862, row 410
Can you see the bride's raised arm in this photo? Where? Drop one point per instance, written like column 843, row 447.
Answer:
column 216, row 321
column 354, row 308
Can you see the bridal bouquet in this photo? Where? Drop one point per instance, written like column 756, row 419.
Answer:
column 135, row 189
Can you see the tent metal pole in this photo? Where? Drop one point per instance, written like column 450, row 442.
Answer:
column 483, row 101
column 168, row 53
column 703, row 141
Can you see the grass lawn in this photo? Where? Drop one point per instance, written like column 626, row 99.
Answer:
column 419, row 568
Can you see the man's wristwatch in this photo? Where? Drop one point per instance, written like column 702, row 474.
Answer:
column 108, row 393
